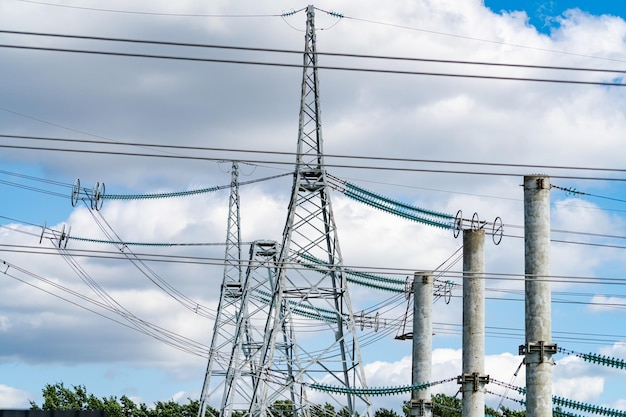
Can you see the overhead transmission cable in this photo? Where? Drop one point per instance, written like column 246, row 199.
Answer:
column 338, row 165
column 390, row 326
column 168, row 337
column 148, row 272
column 340, row 16
column 137, row 12
column 326, row 155
column 330, row 54
column 299, row 65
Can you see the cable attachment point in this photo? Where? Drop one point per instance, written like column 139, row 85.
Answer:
column 478, row 381
column 43, row 230
column 7, row 267
column 476, row 224
column 75, row 192
column 543, row 349
column 97, row 196
column 64, row 237
column 408, row 288
column 443, row 290
column 458, row 224
column 419, row 407
column 368, row 321
column 497, row 230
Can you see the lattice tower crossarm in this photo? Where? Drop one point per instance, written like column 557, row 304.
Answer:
column 329, row 350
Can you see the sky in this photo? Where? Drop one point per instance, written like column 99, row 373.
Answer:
column 430, row 141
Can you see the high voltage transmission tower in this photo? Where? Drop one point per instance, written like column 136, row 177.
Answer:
column 224, row 352
column 287, row 322
column 309, row 294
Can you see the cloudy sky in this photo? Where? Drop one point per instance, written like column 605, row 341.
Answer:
column 60, row 315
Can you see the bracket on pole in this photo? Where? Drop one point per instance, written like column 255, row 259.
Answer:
column 421, row 406
column 540, row 347
column 477, row 380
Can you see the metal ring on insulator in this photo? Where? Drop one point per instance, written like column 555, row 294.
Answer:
column 458, row 224
column 43, row 230
column 376, row 322
column 67, row 236
column 100, row 197
column 61, row 236
column 362, row 320
column 75, row 192
column 475, row 225
column 447, row 292
column 498, row 231
column 92, row 198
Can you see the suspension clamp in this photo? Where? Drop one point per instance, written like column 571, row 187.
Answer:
column 419, row 407
column 542, row 348
column 477, row 380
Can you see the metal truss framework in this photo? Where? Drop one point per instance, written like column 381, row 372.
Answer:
column 327, row 349
column 255, row 359
column 232, row 368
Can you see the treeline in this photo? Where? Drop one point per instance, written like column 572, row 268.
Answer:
column 60, row 397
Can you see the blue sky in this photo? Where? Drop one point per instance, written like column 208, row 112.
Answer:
column 44, row 339
column 543, row 15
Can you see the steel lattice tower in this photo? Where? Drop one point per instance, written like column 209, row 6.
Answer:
column 223, row 355
column 310, row 292
column 241, row 314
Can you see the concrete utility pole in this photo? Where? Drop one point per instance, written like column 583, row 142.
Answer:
column 539, row 348
column 421, row 405
column 473, row 379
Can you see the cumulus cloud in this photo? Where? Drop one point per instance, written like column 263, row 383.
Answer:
column 247, row 107
column 12, row 397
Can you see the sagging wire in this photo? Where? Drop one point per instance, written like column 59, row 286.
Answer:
column 143, row 268
column 177, row 341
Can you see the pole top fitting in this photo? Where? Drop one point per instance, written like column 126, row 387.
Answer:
column 543, row 349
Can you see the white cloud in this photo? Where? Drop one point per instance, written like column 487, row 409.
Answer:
column 12, row 397
column 246, row 107
column 619, row 404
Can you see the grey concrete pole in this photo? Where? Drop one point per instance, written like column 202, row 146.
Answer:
column 539, row 348
column 473, row 379
column 421, row 404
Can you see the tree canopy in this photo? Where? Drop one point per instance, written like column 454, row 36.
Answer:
column 59, row 397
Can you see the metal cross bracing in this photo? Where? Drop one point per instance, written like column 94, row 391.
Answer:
column 236, row 340
column 327, row 349
column 224, row 354
column 238, row 329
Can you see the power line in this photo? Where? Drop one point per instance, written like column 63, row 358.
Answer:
column 329, row 54
column 326, row 155
column 492, row 331
column 379, row 270
column 255, row 161
column 95, row 9
column 334, row 14
column 284, row 153
column 319, row 67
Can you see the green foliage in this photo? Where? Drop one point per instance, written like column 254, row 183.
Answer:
column 326, row 410
column 282, row 408
column 60, row 397
column 383, row 412
column 507, row 412
column 446, row 406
